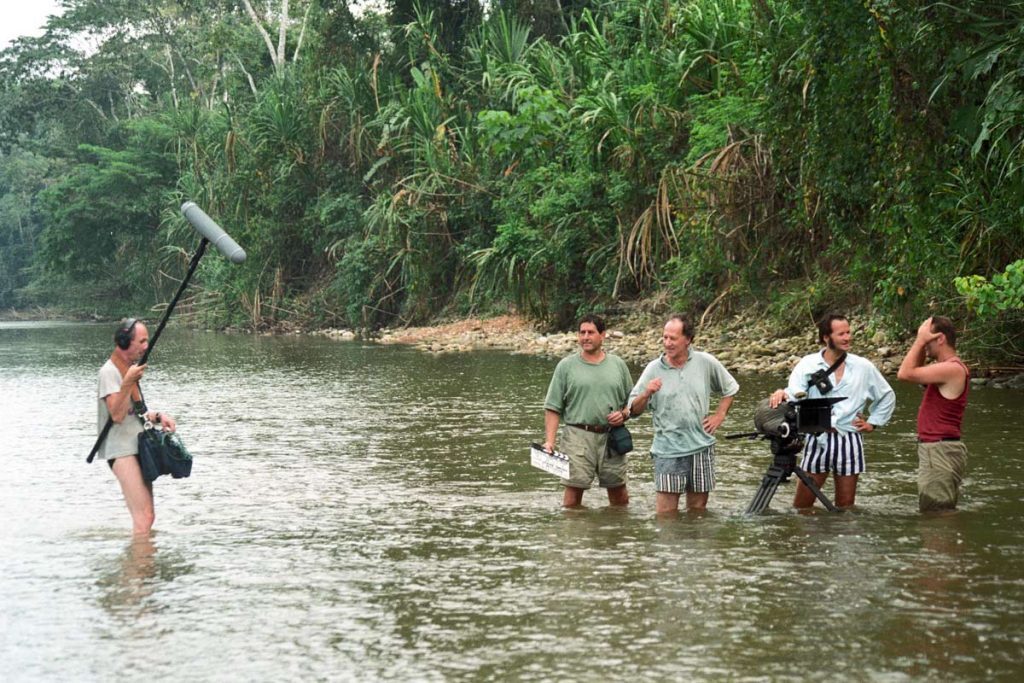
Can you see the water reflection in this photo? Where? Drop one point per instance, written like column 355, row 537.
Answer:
column 129, row 582
column 934, row 595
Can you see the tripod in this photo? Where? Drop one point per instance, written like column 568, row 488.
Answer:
column 783, row 465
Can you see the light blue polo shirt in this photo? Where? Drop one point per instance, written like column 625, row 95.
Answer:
column 682, row 403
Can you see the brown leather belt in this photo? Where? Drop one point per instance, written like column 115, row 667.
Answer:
column 596, row 429
column 945, row 438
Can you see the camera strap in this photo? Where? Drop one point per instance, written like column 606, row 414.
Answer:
column 831, row 368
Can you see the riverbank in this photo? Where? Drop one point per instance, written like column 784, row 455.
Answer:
column 743, row 344
column 41, row 313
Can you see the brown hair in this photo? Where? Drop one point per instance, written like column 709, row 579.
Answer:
column 825, row 325
column 595, row 320
column 941, row 323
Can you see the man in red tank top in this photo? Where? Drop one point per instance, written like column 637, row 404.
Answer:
column 941, row 454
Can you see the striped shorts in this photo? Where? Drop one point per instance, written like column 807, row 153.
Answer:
column 693, row 473
column 839, row 452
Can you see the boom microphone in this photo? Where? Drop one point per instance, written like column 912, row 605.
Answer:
column 205, row 226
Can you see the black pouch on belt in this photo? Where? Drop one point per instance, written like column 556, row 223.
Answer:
column 620, row 440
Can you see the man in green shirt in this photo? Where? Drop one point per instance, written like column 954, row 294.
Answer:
column 678, row 388
column 587, row 393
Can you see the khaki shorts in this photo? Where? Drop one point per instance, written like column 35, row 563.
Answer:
column 941, row 468
column 589, row 456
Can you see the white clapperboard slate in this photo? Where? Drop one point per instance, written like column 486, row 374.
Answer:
column 554, row 463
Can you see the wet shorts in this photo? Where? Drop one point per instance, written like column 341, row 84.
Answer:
column 941, row 468
column 841, row 453
column 693, row 473
column 589, row 456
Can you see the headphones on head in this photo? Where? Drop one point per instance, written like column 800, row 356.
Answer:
column 124, row 334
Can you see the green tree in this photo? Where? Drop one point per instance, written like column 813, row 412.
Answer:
column 22, row 176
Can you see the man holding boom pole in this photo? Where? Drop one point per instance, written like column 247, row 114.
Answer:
column 122, row 409
column 120, row 400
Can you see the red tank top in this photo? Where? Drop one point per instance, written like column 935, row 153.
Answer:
column 939, row 417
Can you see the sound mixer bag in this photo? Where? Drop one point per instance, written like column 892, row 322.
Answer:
column 162, row 452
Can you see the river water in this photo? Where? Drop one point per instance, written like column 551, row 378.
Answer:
column 359, row 512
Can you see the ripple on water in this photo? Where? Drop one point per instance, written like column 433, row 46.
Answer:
column 368, row 513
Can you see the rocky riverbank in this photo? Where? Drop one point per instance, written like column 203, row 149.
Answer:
column 742, row 344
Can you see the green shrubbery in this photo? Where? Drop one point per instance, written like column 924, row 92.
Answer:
column 797, row 155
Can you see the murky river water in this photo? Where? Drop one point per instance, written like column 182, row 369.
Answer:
column 364, row 513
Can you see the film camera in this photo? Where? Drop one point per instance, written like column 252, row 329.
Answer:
column 785, row 423
column 784, row 427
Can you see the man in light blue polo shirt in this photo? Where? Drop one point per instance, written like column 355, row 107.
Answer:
column 678, row 387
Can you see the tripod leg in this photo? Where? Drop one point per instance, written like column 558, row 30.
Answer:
column 809, row 483
column 769, row 483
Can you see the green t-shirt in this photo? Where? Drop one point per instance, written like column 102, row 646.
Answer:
column 584, row 393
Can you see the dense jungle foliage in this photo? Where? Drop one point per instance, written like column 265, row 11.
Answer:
column 451, row 157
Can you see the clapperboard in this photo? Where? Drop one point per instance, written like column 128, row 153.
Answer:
column 554, row 463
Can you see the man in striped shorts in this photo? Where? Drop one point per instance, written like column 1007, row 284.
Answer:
column 834, row 371
column 678, row 387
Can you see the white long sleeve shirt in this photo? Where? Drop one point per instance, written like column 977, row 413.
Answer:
column 862, row 382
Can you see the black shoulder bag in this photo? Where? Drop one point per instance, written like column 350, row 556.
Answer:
column 820, row 378
column 161, row 452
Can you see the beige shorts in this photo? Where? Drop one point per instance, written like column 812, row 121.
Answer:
column 941, row 468
column 589, row 456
